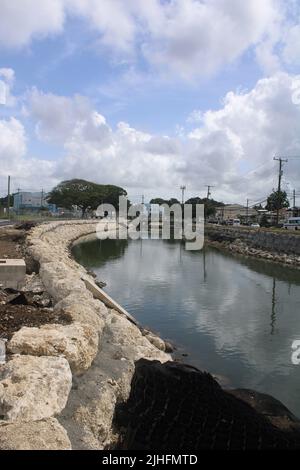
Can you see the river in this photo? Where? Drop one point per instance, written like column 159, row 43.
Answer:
column 235, row 317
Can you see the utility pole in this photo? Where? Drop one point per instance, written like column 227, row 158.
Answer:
column 143, row 203
column 18, row 206
column 247, row 211
column 281, row 161
column 8, row 197
column 208, row 191
column 183, row 188
column 294, row 202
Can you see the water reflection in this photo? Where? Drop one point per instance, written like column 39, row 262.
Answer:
column 273, row 314
column 204, row 264
column 98, row 252
column 234, row 316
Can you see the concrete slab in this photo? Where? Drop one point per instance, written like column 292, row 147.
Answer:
column 106, row 299
column 12, row 273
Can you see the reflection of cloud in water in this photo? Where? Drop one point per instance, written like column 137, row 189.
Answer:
column 235, row 306
column 228, row 307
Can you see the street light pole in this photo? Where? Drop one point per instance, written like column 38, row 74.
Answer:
column 8, row 197
column 183, row 188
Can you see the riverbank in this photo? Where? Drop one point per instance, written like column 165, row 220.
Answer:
column 278, row 246
column 70, row 377
column 89, row 362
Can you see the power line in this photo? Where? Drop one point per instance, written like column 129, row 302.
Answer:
column 254, row 170
column 295, row 157
column 258, row 202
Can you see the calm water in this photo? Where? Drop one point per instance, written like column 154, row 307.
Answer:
column 235, row 317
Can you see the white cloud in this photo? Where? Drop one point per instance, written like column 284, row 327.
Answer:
column 291, row 51
column 189, row 37
column 7, row 77
column 267, row 58
column 219, row 147
column 3, row 93
column 246, row 132
column 195, row 116
column 68, row 120
column 198, row 38
column 22, row 21
column 12, row 143
column 8, row 74
column 112, row 19
column 258, row 125
column 26, row 172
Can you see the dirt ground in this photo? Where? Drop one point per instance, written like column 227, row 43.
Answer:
column 29, row 308
column 10, row 242
column 14, row 317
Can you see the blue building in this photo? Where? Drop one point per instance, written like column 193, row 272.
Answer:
column 32, row 202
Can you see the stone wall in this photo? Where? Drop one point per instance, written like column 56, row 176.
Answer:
column 287, row 242
column 62, row 382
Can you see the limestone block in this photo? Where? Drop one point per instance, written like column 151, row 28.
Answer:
column 80, row 311
column 60, row 281
column 46, row 434
column 129, row 342
column 78, row 343
column 33, row 388
column 155, row 340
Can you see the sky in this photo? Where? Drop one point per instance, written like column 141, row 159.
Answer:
column 151, row 95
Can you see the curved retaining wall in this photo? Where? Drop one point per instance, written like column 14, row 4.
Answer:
column 64, row 381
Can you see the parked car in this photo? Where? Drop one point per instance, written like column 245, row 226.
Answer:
column 236, row 222
column 293, row 223
column 255, row 225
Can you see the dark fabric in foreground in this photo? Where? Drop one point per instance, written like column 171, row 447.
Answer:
column 176, row 407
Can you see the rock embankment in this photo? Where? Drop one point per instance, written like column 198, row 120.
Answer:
column 61, row 383
column 279, row 246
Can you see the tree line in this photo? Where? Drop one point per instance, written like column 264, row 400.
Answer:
column 87, row 196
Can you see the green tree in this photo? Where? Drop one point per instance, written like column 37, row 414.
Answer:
column 3, row 201
column 161, row 201
column 158, row 200
column 85, row 195
column 210, row 205
column 277, row 200
column 194, row 201
column 264, row 221
column 172, row 201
